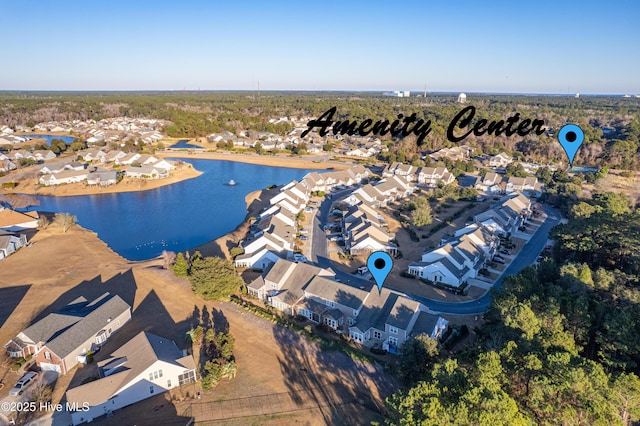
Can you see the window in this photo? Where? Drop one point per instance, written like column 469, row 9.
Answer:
column 151, row 389
column 168, row 383
column 330, row 303
column 377, row 334
column 150, row 376
column 159, row 373
column 355, row 312
column 155, row 374
column 188, row 377
column 393, row 341
column 393, row 330
column 47, row 355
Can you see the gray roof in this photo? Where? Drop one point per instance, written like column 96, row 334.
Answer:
column 425, row 323
column 376, row 309
column 292, row 287
column 256, row 284
column 64, row 331
column 401, row 313
column 343, row 294
column 128, row 362
column 446, row 263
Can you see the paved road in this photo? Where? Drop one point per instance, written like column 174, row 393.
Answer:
column 526, row 257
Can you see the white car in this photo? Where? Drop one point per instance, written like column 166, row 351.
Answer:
column 23, row 383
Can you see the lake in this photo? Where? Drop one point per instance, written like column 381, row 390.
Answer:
column 184, row 144
column 49, row 138
column 177, row 217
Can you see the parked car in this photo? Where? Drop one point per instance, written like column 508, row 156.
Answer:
column 303, row 237
column 499, row 260
column 299, row 258
column 505, row 251
column 24, row 382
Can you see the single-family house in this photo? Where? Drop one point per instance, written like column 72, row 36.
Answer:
column 127, row 159
column 43, row 155
column 61, row 340
column 13, row 221
column 10, row 242
column 145, row 366
column 66, row 176
column 103, row 178
column 400, row 169
column 145, row 172
column 282, row 286
column 7, row 165
column 432, row 176
column 501, row 160
column 490, row 183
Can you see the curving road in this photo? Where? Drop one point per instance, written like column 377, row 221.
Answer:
column 526, row 257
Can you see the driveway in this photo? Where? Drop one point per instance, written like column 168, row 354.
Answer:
column 8, row 403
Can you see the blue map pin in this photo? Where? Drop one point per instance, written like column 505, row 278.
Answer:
column 570, row 137
column 379, row 264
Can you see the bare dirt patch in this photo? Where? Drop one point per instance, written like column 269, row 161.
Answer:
column 59, row 267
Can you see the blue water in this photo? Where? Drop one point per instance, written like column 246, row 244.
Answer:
column 49, row 138
column 140, row 225
column 184, row 143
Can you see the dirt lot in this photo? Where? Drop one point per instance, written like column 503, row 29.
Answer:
column 316, row 387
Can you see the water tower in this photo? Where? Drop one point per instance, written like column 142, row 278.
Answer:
column 462, row 98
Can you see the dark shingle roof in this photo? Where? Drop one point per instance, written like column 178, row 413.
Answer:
column 66, row 330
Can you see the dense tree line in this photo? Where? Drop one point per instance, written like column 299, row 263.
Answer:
column 559, row 345
column 196, row 114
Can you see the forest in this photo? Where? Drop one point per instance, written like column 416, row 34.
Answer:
column 559, row 344
column 611, row 124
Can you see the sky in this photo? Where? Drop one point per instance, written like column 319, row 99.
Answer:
column 522, row 46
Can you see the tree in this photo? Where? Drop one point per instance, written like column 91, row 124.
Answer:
column 168, row 258
column 64, row 220
column 58, row 146
column 181, row 266
column 421, row 216
column 515, row 169
column 613, row 203
column 43, row 222
column 41, row 393
column 625, row 398
column 421, row 211
column 417, row 356
column 544, row 175
column 214, row 278
column 77, row 145
column 236, row 251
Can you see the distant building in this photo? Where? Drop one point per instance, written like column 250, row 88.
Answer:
column 398, row 93
column 462, row 98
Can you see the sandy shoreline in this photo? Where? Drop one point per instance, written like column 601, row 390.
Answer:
column 29, row 185
column 264, row 160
